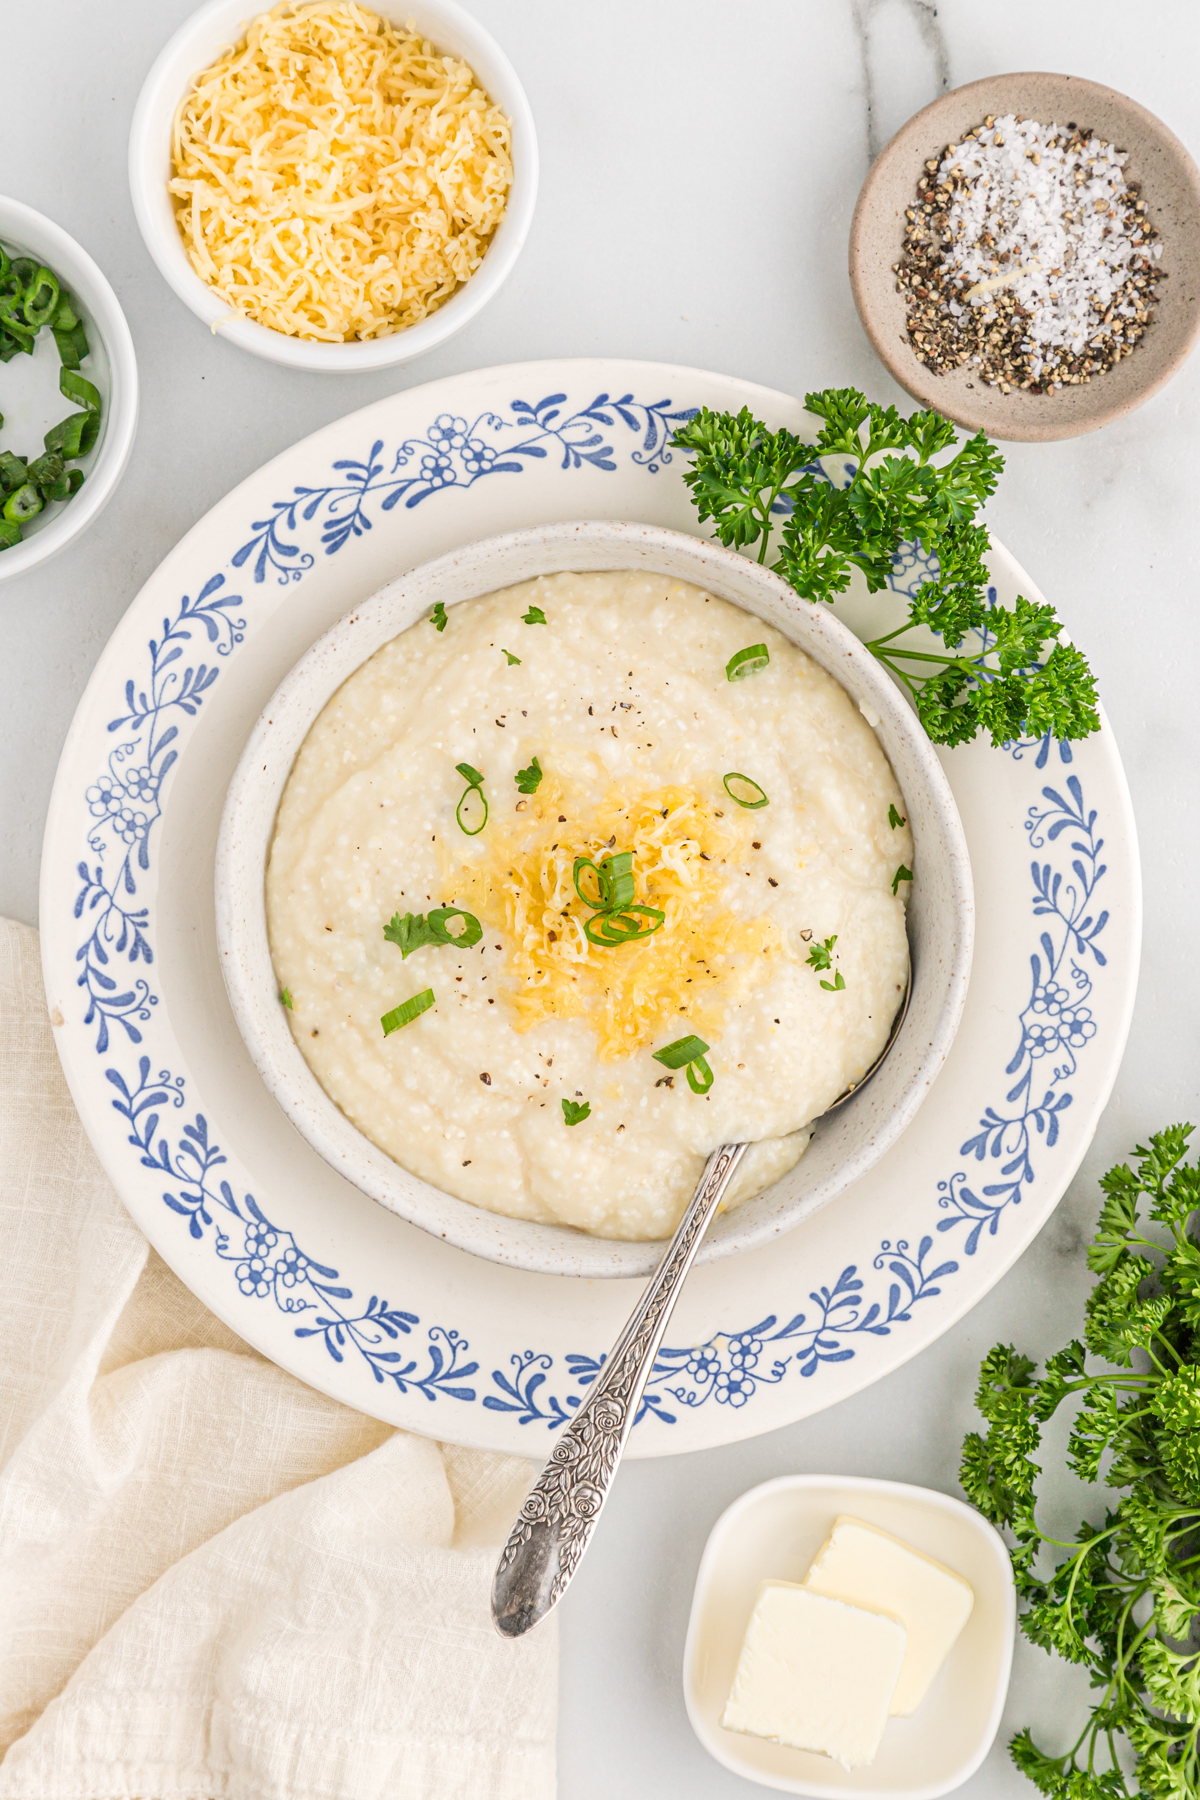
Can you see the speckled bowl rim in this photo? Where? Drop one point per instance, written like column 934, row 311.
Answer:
column 248, row 822
column 1077, row 410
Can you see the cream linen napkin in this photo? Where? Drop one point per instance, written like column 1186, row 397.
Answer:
column 214, row 1582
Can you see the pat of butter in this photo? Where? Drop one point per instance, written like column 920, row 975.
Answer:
column 815, row 1673
column 868, row 1567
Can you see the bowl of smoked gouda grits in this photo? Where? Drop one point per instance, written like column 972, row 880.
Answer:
column 566, row 858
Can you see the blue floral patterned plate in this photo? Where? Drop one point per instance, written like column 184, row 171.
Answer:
column 333, row 1287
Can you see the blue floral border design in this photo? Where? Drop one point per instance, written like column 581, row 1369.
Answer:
column 116, row 957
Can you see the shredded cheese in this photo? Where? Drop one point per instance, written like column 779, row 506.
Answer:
column 703, row 959
column 337, row 179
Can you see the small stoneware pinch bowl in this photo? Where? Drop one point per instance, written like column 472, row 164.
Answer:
column 1170, row 184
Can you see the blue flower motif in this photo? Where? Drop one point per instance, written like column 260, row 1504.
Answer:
column 292, row 1267
column 141, row 783
column 260, row 1239
column 703, row 1363
column 477, row 456
column 105, row 798
column 449, row 431
column 733, row 1387
column 131, row 826
column 254, row 1277
column 1049, row 998
column 437, row 470
column 745, row 1350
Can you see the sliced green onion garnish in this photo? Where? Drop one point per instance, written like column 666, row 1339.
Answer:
column 407, row 1011
column 744, row 791
column 471, row 813
column 607, row 929
column 471, row 931
column 79, row 388
column 584, row 864
column 23, row 505
column 10, row 534
column 40, row 300
column 747, row 662
column 699, row 1075
column 616, row 873
column 683, row 1051
column 14, row 472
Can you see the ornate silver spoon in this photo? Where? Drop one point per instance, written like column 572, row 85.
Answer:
column 556, row 1521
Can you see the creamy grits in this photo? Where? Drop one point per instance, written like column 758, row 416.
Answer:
column 621, row 703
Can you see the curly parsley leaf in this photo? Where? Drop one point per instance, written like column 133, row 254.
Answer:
column 1122, row 1600
column 529, row 780
column 850, row 500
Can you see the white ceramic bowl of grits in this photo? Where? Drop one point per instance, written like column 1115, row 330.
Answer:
column 940, row 919
column 198, row 43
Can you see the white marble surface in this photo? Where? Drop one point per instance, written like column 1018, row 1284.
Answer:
column 700, row 164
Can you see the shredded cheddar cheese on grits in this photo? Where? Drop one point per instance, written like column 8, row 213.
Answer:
column 335, row 178
column 703, row 959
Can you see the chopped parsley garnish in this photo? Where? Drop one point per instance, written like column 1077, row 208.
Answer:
column 902, row 874
column 1123, row 1599
column 437, row 617
column 528, row 780
column 688, row 1053
column 575, row 1112
column 414, row 931
column 820, row 956
column 467, row 810
column 889, row 492
column 746, row 662
column 407, row 1011
column 535, row 616
column 285, row 999
column 894, row 819
column 511, row 658
column 744, row 791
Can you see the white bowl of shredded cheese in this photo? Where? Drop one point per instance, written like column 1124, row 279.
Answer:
column 341, row 809
column 345, row 187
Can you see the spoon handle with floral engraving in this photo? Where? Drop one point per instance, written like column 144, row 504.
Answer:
column 555, row 1524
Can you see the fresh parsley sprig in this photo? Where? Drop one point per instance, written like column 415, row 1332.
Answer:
column 416, row 932
column 889, row 491
column 1124, row 1599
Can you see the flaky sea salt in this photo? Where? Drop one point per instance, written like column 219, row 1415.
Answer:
column 1029, row 254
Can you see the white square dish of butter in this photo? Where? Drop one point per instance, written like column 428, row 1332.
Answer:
column 850, row 1637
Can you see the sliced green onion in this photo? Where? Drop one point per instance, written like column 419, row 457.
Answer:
column 470, row 934
column 684, row 1050
column 24, row 269
column 474, row 781
column 747, row 662
column 72, row 345
column 407, row 1011
column 14, row 472
column 699, row 1076
column 616, row 872
column 583, row 863
column 10, row 534
column 40, row 300
column 5, row 262
column 9, row 347
column 65, row 317
column 606, row 929
column 26, row 503
column 79, row 388
column 46, row 470
column 751, row 797
column 67, row 436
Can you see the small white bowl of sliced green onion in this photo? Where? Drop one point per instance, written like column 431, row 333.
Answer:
column 68, row 389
